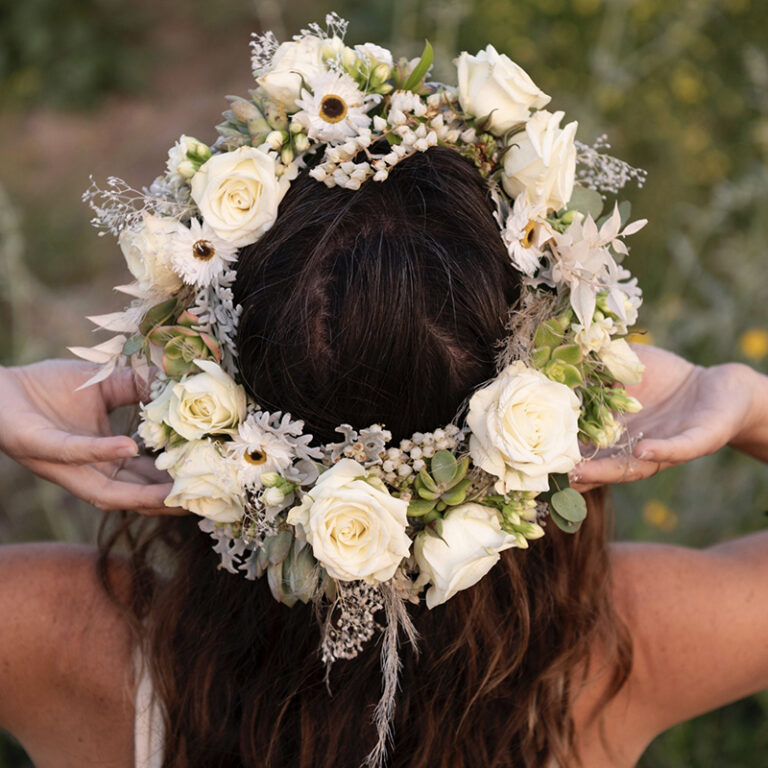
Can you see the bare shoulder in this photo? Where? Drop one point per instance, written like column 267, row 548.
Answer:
column 699, row 623
column 699, row 626
column 65, row 656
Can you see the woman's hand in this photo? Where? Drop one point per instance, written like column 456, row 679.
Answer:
column 688, row 411
column 64, row 435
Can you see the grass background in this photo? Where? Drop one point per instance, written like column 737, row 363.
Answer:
column 681, row 89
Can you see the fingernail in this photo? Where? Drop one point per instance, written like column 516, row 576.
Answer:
column 645, row 455
column 127, row 451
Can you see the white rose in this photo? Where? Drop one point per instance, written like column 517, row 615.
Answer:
column 374, row 55
column 541, row 161
column 524, row 427
column 238, row 194
column 356, row 529
column 147, row 253
column 204, row 482
column 491, row 83
column 622, row 362
column 207, row 403
column 469, row 547
column 293, row 61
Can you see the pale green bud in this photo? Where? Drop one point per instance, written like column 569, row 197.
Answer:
column 301, row 142
column 187, row 169
column 270, row 479
column 274, row 140
column 286, row 156
column 380, row 74
column 273, row 497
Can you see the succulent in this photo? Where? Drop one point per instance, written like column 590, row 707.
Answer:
column 444, row 484
column 182, row 345
column 291, row 570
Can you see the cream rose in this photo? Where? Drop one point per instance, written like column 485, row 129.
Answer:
column 541, row 161
column 204, row 482
column 293, row 61
column 147, row 253
column 468, row 547
column 524, row 427
column 491, row 83
column 238, row 194
column 622, row 362
column 152, row 428
column 207, row 403
column 356, row 528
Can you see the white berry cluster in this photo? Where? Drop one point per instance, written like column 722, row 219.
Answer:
column 399, row 463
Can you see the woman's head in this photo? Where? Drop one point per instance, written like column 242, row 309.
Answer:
column 380, row 305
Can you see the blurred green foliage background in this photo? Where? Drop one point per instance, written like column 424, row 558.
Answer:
column 681, row 89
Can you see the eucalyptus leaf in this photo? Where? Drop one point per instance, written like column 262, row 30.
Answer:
column 625, row 209
column 416, row 77
column 569, row 504
column 562, row 523
column 133, row 345
column 586, row 201
column 443, row 467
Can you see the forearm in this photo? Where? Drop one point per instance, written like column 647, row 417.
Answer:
column 753, row 438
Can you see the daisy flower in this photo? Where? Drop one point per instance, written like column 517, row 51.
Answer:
column 259, row 449
column 198, row 255
column 333, row 108
column 524, row 233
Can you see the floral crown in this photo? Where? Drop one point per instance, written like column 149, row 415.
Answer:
column 362, row 525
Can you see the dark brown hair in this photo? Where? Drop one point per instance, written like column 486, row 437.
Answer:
column 382, row 305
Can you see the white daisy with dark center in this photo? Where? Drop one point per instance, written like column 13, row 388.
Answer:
column 333, row 108
column 199, row 255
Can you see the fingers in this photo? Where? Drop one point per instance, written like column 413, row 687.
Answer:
column 691, row 444
column 57, row 446
column 611, row 470
column 89, row 484
column 123, row 387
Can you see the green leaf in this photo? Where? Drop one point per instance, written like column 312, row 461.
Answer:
column 568, row 353
column 425, row 480
column 443, row 467
column 416, row 77
column 540, row 357
column 420, row 507
column 625, row 209
column 564, row 373
column 558, row 481
column 562, row 523
column 586, row 201
column 425, row 493
column 457, row 494
column 569, row 504
column 160, row 314
column 548, row 334
column 133, row 345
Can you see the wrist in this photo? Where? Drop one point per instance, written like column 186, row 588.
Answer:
column 752, row 437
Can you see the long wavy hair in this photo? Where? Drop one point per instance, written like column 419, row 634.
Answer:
column 381, row 305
